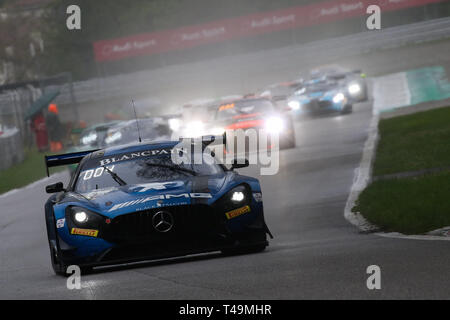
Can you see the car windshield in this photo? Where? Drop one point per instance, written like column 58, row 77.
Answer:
column 112, row 171
column 244, row 107
column 314, row 87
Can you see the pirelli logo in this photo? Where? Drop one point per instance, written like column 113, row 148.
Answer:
column 237, row 212
column 84, row 232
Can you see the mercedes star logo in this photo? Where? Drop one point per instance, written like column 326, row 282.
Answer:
column 162, row 221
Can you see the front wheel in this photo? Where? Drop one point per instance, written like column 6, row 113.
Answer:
column 59, row 267
column 348, row 108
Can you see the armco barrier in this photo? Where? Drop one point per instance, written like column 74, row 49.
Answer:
column 11, row 148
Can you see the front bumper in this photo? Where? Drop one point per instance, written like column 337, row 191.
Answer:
column 197, row 229
column 319, row 107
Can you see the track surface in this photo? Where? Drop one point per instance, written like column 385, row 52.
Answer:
column 315, row 253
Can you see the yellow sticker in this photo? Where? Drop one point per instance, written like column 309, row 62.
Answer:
column 84, row 232
column 237, row 212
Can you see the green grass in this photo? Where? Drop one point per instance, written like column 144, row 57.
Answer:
column 22, row 174
column 410, row 206
column 414, row 142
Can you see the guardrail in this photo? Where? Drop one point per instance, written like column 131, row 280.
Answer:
column 11, row 147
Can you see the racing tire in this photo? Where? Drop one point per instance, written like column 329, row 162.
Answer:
column 348, row 108
column 59, row 267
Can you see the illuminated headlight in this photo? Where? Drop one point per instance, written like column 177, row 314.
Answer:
column 194, row 129
column 111, row 138
column 237, row 196
column 217, row 131
column 89, row 139
column 84, row 218
column 174, row 124
column 338, row 97
column 294, row 104
column 80, row 217
column 274, row 124
column 354, row 88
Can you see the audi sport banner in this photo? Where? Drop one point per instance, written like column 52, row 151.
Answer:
column 254, row 24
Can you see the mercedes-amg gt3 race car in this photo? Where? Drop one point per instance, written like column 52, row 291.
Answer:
column 132, row 203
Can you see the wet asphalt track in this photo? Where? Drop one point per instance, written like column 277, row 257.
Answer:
column 316, row 253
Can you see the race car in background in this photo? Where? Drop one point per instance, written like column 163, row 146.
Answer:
column 254, row 113
column 354, row 82
column 130, row 131
column 132, row 203
column 197, row 117
column 279, row 92
column 91, row 138
column 320, row 96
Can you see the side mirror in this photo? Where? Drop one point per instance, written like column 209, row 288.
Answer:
column 54, row 188
column 239, row 163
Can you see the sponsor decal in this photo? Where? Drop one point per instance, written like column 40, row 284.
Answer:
column 257, row 196
column 226, row 106
column 237, row 212
column 60, row 223
column 192, row 195
column 133, row 155
column 84, row 232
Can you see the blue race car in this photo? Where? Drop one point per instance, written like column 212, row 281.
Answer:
column 132, row 203
column 319, row 96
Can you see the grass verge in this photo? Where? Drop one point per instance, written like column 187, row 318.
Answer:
column 410, row 205
column 22, row 174
column 413, row 142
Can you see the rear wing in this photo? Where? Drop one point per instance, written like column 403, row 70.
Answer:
column 65, row 159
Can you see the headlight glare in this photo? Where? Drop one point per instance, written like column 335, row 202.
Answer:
column 339, row 97
column 274, row 124
column 354, row 88
column 81, row 216
column 294, row 105
column 174, row 124
column 237, row 196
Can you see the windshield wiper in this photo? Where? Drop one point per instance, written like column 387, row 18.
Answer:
column 115, row 177
column 174, row 168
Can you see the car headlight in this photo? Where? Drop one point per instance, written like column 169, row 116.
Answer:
column 89, row 139
column 82, row 217
column 294, row 104
column 113, row 137
column 217, row 131
column 174, row 124
column 354, row 88
column 194, row 129
column 274, row 124
column 338, row 97
column 237, row 196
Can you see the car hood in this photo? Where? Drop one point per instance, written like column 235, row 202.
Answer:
column 118, row 200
